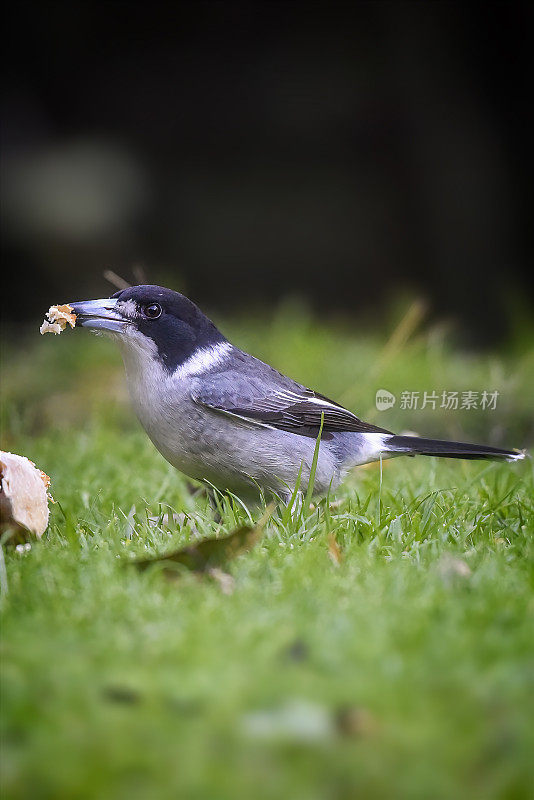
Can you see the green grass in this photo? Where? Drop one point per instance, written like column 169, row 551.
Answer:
column 123, row 684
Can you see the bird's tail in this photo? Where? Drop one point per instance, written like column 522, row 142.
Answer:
column 413, row 445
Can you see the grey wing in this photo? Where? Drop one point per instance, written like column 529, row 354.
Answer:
column 277, row 403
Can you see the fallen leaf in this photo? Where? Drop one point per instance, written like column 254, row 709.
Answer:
column 355, row 721
column 213, row 552
column 334, row 550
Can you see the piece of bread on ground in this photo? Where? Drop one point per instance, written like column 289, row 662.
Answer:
column 23, row 496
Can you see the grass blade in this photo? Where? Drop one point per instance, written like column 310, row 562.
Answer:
column 313, row 470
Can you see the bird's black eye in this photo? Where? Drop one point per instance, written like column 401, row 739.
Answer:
column 152, row 310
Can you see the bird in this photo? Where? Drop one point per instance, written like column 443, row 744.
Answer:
column 221, row 416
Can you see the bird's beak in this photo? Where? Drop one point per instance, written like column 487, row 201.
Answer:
column 100, row 315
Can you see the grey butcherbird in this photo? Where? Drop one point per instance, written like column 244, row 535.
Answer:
column 219, row 414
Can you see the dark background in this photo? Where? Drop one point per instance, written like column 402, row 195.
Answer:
column 246, row 151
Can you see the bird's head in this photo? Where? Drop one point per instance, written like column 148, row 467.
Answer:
column 150, row 320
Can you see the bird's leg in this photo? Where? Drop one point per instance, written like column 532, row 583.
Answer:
column 214, row 505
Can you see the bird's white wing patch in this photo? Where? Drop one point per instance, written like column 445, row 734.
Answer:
column 203, row 360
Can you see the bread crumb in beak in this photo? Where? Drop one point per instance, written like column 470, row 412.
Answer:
column 56, row 319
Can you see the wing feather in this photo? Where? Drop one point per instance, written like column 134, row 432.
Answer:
column 290, row 408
